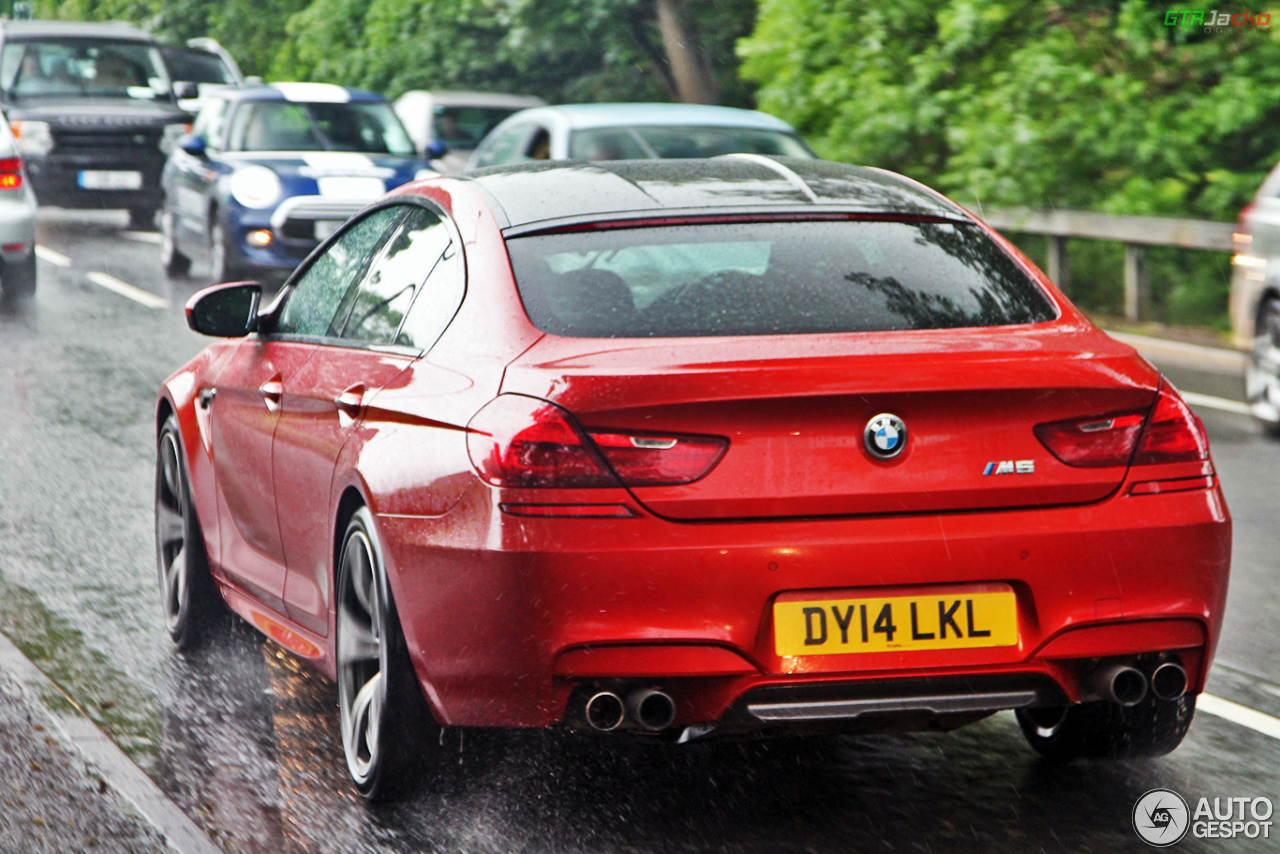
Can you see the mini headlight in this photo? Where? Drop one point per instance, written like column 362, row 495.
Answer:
column 173, row 133
column 34, row 138
column 255, row 187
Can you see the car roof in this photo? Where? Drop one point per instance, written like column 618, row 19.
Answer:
column 582, row 116
column 72, row 29
column 533, row 196
column 458, row 98
column 303, row 92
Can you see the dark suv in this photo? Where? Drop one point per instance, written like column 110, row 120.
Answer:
column 94, row 112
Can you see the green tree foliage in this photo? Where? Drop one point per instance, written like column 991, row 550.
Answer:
column 561, row 50
column 1073, row 104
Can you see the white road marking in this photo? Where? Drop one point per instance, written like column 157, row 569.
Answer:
column 125, row 289
column 44, row 253
column 142, row 236
column 1221, row 403
column 1238, row 714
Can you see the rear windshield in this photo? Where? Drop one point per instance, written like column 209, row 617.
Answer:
column 772, row 278
column 644, row 143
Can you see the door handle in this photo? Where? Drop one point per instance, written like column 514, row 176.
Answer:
column 350, row 401
column 272, row 390
column 206, row 397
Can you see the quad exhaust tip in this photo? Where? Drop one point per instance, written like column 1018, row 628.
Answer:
column 605, row 711
column 1169, row 681
column 1121, row 684
column 651, row 709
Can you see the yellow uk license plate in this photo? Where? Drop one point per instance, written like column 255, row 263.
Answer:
column 957, row 620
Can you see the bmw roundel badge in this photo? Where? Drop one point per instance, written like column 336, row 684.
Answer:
column 885, row 436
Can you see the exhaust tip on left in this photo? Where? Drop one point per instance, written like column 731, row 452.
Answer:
column 605, row 711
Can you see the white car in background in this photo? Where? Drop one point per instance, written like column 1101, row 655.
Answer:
column 636, row 132
column 17, row 222
column 447, row 126
column 1255, row 300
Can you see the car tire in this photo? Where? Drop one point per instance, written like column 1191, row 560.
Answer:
column 18, row 279
column 142, row 218
column 1107, row 730
column 175, row 263
column 387, row 729
column 1262, row 373
column 193, row 608
column 221, row 266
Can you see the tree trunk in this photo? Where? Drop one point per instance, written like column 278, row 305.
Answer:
column 694, row 83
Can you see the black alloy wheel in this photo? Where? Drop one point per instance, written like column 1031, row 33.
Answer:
column 193, row 608
column 387, row 728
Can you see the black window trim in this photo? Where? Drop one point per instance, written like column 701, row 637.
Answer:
column 277, row 305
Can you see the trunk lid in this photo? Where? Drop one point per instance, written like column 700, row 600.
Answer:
column 795, row 409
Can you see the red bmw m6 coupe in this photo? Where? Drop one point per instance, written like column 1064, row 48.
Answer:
column 691, row 450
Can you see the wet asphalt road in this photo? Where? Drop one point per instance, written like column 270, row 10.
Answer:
column 243, row 738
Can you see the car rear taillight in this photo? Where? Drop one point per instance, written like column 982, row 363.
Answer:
column 522, row 442
column 1167, row 433
column 1094, row 442
column 651, row 460
column 1173, row 434
column 10, row 173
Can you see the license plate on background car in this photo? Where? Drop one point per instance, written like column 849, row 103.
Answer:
column 110, row 180
column 956, row 620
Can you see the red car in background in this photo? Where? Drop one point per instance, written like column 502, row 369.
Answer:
column 692, row 449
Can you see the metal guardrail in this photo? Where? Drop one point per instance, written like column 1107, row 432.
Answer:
column 1134, row 232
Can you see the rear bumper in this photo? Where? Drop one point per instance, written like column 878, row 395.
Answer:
column 509, row 619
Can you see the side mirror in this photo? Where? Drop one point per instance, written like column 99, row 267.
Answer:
column 185, row 89
column 436, row 149
column 192, row 144
column 225, row 311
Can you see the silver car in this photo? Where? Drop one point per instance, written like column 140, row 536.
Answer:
column 447, row 126
column 17, row 222
column 1255, row 300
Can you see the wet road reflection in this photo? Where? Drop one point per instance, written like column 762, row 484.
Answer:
column 248, row 749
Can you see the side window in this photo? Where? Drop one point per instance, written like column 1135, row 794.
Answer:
column 437, row 302
column 239, row 119
column 211, row 121
column 393, row 279
column 507, row 147
column 314, row 298
column 539, row 148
